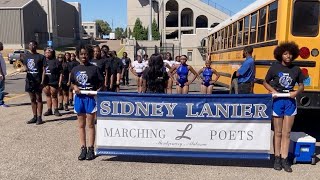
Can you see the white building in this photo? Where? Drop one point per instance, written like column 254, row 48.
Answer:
column 90, row 29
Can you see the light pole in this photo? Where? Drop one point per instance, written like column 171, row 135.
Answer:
column 150, row 23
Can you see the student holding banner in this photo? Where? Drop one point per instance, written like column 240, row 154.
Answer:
column 281, row 78
column 183, row 72
column 155, row 77
column 207, row 82
column 86, row 77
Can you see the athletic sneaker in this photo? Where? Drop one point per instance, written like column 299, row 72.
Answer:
column 33, row 120
column 60, row 106
column 286, row 165
column 4, row 105
column 83, row 153
column 66, row 107
column 90, row 154
column 57, row 113
column 277, row 163
column 71, row 102
column 48, row 113
column 39, row 121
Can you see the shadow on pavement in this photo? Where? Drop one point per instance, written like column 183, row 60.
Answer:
column 70, row 118
column 21, row 104
column 195, row 161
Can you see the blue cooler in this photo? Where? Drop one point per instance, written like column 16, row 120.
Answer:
column 302, row 148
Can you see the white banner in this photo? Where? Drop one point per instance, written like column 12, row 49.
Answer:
column 200, row 136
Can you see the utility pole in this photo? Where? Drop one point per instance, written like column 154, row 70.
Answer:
column 49, row 25
column 150, row 23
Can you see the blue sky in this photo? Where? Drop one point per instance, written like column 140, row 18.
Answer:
column 115, row 10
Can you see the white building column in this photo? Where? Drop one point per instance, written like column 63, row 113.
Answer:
column 179, row 23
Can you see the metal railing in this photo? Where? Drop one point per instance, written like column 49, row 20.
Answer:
column 218, row 6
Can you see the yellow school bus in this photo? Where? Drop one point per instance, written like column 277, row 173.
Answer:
column 263, row 25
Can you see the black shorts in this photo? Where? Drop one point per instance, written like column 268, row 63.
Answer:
column 245, row 88
column 33, row 87
column 113, row 89
column 65, row 87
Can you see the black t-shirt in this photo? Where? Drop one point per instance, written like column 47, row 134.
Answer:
column 73, row 64
column 101, row 64
column 283, row 78
column 126, row 62
column 65, row 72
column 156, row 81
column 52, row 71
column 86, row 77
column 34, row 64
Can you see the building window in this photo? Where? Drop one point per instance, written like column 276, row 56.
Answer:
column 91, row 34
column 91, row 27
column 189, row 54
column 86, row 27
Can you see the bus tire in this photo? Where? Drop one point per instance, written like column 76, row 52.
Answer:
column 234, row 86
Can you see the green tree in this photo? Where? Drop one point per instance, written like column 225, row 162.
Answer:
column 119, row 32
column 155, row 30
column 139, row 30
column 103, row 27
column 125, row 33
column 145, row 33
column 130, row 32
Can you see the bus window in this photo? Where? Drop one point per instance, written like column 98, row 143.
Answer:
column 226, row 38
column 222, row 38
column 230, row 37
column 253, row 28
column 240, row 31
column 262, row 24
column 234, row 35
column 212, row 42
column 305, row 20
column 219, row 40
column 246, row 30
column 272, row 21
column 215, row 41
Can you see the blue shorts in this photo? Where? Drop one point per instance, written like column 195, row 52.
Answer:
column 284, row 107
column 84, row 104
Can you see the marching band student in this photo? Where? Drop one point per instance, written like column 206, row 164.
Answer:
column 51, row 80
column 207, row 82
column 281, row 78
column 169, row 63
column 105, row 52
column 73, row 63
column 98, row 61
column 177, row 62
column 155, row 77
column 60, row 58
column 86, row 77
column 64, row 86
column 183, row 72
column 114, row 71
column 33, row 65
column 126, row 62
column 137, row 68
